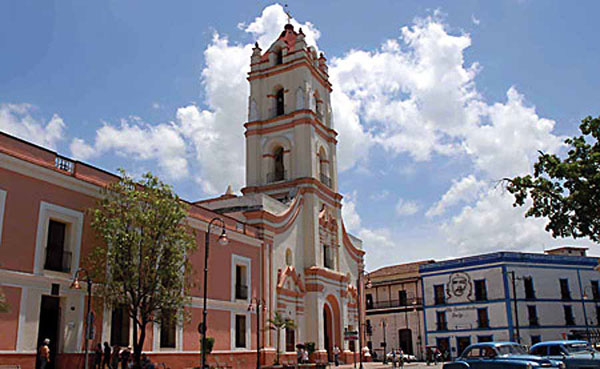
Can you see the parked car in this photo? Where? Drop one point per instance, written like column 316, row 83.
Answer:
column 407, row 358
column 575, row 354
column 500, row 355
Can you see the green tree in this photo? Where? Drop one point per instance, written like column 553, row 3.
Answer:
column 566, row 191
column 142, row 263
column 279, row 323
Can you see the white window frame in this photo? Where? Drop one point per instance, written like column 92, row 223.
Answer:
column 107, row 326
column 74, row 221
column 2, row 206
column 246, row 262
column 178, row 338
column 233, row 330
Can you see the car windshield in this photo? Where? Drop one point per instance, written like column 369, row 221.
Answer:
column 510, row 350
column 578, row 347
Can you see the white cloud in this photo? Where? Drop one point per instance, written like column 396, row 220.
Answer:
column 509, row 144
column 376, row 242
column 406, row 207
column 493, row 224
column 416, row 96
column 378, row 246
column 17, row 120
column 467, row 189
column 138, row 140
column 217, row 133
column 380, row 195
column 266, row 28
column 349, row 213
column 476, row 21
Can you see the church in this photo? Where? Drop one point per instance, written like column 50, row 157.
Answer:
column 288, row 253
column 291, row 193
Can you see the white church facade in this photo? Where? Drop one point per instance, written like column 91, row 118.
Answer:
column 311, row 265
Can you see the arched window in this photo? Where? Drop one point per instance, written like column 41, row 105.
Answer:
column 279, row 169
column 324, row 168
column 279, row 57
column 279, row 102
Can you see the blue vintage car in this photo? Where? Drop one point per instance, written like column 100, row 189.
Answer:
column 575, row 354
column 500, row 355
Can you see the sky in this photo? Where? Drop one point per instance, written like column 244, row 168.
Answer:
column 434, row 102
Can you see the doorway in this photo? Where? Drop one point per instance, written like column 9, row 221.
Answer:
column 48, row 325
column 443, row 344
column 405, row 337
column 462, row 343
column 327, row 331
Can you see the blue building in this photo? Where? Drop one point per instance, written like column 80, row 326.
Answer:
column 472, row 299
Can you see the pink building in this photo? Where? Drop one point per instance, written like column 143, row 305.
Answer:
column 46, row 232
column 288, row 245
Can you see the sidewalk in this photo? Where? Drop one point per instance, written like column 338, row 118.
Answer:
column 380, row 365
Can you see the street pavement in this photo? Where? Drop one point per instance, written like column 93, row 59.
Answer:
column 379, row 365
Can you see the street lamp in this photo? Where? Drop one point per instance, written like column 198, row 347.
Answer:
column 585, row 297
column 88, row 321
column 415, row 303
column 514, row 290
column 258, row 304
column 384, row 343
column 223, row 240
column 361, row 272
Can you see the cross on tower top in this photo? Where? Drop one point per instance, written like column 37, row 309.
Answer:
column 289, row 15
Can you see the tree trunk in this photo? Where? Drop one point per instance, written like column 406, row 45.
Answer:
column 137, row 352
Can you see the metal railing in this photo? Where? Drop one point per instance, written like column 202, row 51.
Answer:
column 64, row 164
column 241, row 291
column 409, row 302
column 58, row 260
column 325, row 179
column 276, row 176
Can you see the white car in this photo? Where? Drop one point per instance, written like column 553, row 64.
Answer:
column 407, row 357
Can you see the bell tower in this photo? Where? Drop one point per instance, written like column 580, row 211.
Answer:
column 290, row 140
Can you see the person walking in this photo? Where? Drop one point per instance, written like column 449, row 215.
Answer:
column 98, row 356
column 304, row 356
column 436, row 355
column 401, row 358
column 336, row 355
column 43, row 355
column 107, row 352
column 125, row 354
column 115, row 357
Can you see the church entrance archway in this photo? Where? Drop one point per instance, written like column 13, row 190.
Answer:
column 332, row 325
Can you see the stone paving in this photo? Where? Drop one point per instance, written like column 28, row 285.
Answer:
column 379, row 365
